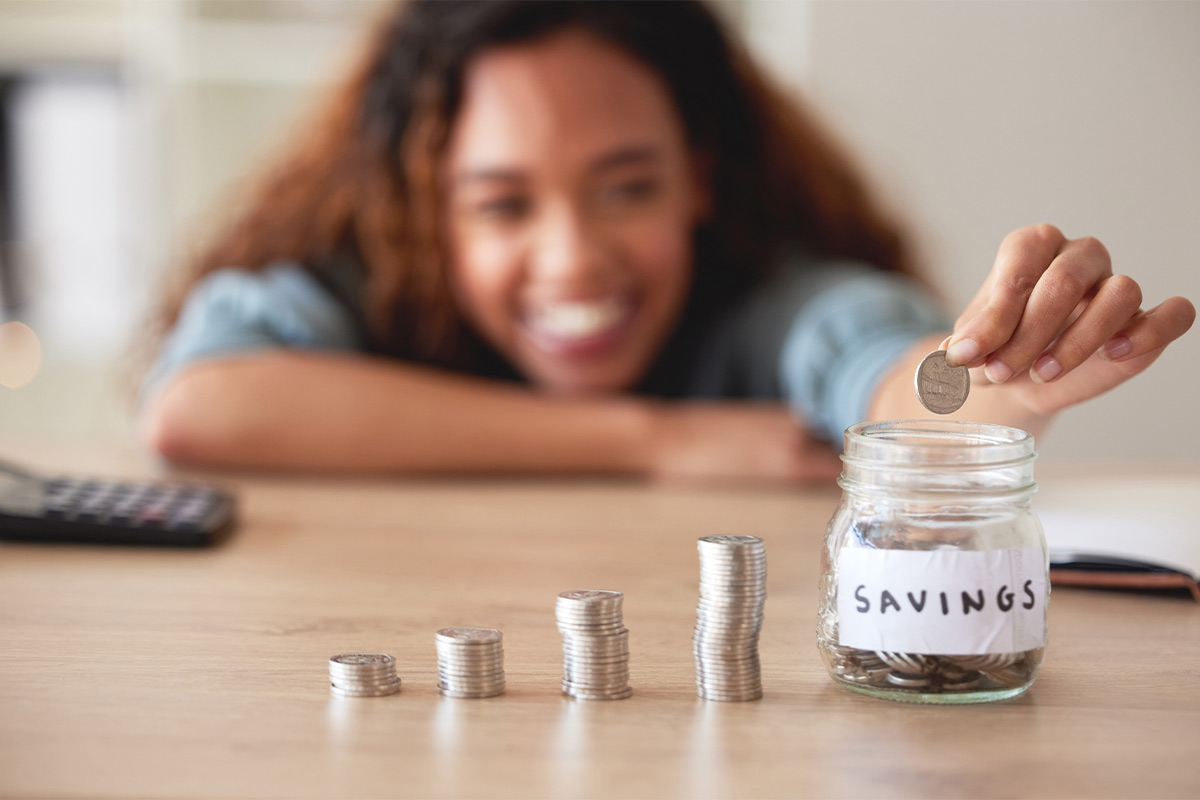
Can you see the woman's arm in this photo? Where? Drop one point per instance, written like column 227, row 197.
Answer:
column 308, row 411
column 339, row 412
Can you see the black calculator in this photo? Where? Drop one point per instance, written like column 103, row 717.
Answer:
column 84, row 510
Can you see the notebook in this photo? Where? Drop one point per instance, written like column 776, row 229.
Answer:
column 1138, row 531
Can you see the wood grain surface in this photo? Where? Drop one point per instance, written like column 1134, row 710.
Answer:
column 172, row 673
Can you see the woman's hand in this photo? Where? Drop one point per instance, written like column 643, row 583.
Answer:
column 736, row 441
column 1053, row 325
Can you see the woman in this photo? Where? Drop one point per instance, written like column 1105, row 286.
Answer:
column 525, row 230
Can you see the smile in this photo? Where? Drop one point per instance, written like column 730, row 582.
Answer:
column 574, row 326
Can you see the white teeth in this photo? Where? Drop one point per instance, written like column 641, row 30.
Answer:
column 574, row 320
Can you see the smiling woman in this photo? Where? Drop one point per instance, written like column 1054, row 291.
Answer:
column 573, row 197
column 522, row 229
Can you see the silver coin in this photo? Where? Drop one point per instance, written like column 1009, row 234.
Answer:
column 727, row 647
column 373, row 691
column 580, row 694
column 617, row 679
column 365, row 686
column 964, row 684
column 731, row 540
column 1009, row 677
column 731, row 691
column 471, row 686
column 362, row 660
column 988, row 661
column 941, row 388
column 338, row 675
column 597, row 686
column 912, row 663
column 452, row 668
column 592, row 596
column 735, row 697
column 584, row 660
column 729, row 687
column 496, row 662
column 596, row 644
column 588, row 632
column 469, row 636
column 908, row 681
column 582, row 615
column 470, row 692
column 471, row 651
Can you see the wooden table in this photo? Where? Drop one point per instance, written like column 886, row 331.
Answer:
column 133, row 673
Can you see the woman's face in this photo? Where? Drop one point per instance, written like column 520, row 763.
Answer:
column 571, row 198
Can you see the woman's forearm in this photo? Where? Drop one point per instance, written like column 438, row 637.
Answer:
column 305, row 411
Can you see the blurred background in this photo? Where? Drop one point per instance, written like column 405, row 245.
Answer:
column 126, row 126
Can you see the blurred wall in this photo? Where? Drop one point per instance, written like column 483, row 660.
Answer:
column 973, row 118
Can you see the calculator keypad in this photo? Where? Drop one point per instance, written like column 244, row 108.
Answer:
column 129, row 504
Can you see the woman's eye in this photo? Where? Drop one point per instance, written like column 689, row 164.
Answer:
column 503, row 208
column 629, row 193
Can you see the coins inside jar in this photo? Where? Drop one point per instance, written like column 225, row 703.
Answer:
column 927, row 674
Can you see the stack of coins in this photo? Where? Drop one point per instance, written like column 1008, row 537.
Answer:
column 595, row 645
column 470, row 662
column 733, row 591
column 363, row 675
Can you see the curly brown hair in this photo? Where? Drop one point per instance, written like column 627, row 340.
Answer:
column 362, row 180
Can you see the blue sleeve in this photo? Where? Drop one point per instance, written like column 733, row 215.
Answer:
column 236, row 311
column 843, row 340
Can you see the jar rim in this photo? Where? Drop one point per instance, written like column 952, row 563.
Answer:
column 938, row 442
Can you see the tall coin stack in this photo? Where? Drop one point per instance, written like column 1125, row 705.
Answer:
column 363, row 675
column 595, row 645
column 733, row 591
column 470, row 662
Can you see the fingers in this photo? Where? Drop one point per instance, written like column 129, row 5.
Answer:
column 1115, row 304
column 1081, row 269
column 993, row 316
column 1151, row 330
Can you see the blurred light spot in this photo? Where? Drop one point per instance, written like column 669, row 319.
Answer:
column 20, row 354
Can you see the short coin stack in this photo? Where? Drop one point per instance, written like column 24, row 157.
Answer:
column 733, row 591
column 363, row 675
column 470, row 662
column 595, row 645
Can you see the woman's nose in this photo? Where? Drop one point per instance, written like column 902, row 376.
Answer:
column 567, row 248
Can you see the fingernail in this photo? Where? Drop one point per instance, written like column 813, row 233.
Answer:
column 1116, row 347
column 964, row 351
column 997, row 371
column 1046, row 369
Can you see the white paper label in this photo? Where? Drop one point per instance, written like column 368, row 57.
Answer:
column 942, row 602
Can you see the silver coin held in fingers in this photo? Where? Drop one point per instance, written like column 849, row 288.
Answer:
column 941, row 388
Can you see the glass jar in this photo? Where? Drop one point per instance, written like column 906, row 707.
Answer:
column 934, row 583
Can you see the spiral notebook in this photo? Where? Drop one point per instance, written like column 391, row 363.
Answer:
column 1130, row 532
